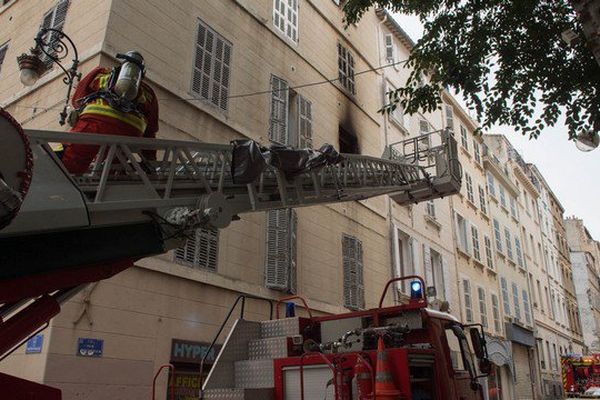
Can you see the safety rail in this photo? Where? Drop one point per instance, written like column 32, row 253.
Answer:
column 423, row 298
column 123, row 178
column 241, row 298
column 171, row 369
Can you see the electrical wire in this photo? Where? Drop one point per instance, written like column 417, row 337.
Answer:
column 243, row 95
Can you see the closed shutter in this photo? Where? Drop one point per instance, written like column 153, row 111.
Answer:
column 3, row 51
column 505, row 300
column 212, row 67
column 416, row 257
column 468, row 303
column 280, row 263
column 201, row 250
column 389, row 48
column 429, row 281
column 304, row 123
column 278, row 122
column 447, row 295
column 352, row 254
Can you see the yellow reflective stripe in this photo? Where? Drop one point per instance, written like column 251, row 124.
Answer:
column 107, row 111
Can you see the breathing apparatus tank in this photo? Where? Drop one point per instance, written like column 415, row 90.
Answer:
column 130, row 76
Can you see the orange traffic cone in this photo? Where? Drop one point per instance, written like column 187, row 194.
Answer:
column 384, row 382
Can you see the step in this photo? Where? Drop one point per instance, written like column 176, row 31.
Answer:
column 254, row 374
column 275, row 347
column 239, row 394
column 280, row 327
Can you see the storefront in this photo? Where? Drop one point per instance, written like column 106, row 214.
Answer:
column 500, row 380
column 186, row 357
column 524, row 367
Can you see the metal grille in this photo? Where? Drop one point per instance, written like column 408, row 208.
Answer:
column 54, row 19
column 285, row 17
column 212, row 66
column 354, row 290
column 3, row 51
column 280, row 263
column 346, row 68
column 201, row 250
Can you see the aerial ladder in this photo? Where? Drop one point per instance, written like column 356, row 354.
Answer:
column 60, row 231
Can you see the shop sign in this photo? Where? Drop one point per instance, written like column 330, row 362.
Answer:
column 186, row 385
column 186, row 351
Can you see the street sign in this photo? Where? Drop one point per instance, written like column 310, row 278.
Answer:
column 87, row 347
column 34, row 345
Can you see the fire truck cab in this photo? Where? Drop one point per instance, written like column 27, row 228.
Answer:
column 428, row 356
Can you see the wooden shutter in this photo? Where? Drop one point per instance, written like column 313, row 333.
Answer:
column 304, row 123
column 389, row 48
column 201, row 250
column 278, row 122
column 280, row 263
column 220, row 73
column 416, row 256
column 3, row 51
column 447, row 295
column 54, row 19
column 428, row 267
column 353, row 272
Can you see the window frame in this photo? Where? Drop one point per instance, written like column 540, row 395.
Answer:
column 346, row 72
column 283, row 15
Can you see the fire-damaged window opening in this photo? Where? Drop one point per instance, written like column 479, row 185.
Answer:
column 290, row 120
column 348, row 142
column 201, row 250
column 54, row 19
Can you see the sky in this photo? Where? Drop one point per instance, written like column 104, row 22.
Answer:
column 568, row 171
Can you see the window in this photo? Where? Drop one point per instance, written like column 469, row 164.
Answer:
column 476, row 151
column 488, row 251
column 423, row 127
column 354, row 290
column 491, row 184
column 497, row 235
column 346, row 69
column 513, row 208
column 468, row 305
column 482, row 307
column 496, row 313
column 403, row 257
column 348, row 142
column 519, row 252
column 285, row 18
column 515, row 293
column 201, row 250
column 475, row 238
column 434, row 271
column 526, row 308
column 509, row 251
column 280, row 259
column 462, row 233
column 502, row 196
column 397, row 114
column 390, row 48
column 469, row 181
column 482, row 202
column 449, row 117
column 464, row 140
column 505, row 300
column 3, row 51
column 430, row 208
column 290, row 122
column 554, row 362
column 212, row 64
column 54, row 19
column 539, row 289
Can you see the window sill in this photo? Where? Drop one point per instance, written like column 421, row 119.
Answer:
column 491, row 270
column 501, row 254
column 431, row 220
column 479, row 166
column 479, row 263
column 493, row 197
column 463, row 252
column 465, row 151
column 398, row 125
column 514, row 218
column 484, row 215
column 504, row 209
column 472, row 205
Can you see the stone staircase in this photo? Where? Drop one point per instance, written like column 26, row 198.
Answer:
column 243, row 369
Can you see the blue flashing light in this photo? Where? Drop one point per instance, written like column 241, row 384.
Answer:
column 416, row 290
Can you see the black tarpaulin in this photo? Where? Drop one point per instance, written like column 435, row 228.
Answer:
column 250, row 159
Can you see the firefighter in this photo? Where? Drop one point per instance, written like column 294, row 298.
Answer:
column 114, row 102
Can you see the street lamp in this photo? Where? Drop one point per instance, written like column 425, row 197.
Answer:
column 53, row 45
column 587, row 141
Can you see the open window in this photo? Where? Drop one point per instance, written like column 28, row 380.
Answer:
column 348, row 142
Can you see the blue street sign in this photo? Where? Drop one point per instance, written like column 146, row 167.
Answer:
column 87, row 347
column 34, row 345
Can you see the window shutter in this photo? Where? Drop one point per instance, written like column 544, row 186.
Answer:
column 277, row 261
column 61, row 14
column 3, row 51
column 304, row 123
column 293, row 237
column 416, row 259
column 389, row 48
column 353, row 272
column 278, row 126
column 201, row 250
column 447, row 295
column 428, row 266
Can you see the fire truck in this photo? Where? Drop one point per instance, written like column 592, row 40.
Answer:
column 61, row 231
column 579, row 373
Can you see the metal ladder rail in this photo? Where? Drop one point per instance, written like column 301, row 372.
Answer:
column 187, row 170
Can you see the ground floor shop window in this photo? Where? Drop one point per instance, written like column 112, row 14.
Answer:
column 495, row 383
column 186, row 357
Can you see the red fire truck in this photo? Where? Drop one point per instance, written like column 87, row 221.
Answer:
column 580, row 372
column 60, row 231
